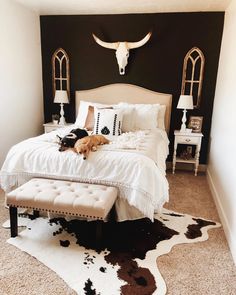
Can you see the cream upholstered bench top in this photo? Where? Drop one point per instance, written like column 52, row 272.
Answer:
column 64, row 197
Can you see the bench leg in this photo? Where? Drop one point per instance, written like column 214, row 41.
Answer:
column 13, row 221
column 99, row 228
column 35, row 213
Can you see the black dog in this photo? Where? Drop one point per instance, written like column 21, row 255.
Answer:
column 70, row 139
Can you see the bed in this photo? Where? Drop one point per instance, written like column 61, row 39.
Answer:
column 134, row 162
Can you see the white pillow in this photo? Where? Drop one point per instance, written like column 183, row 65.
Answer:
column 144, row 115
column 83, row 111
column 128, row 116
column 161, row 117
column 108, row 121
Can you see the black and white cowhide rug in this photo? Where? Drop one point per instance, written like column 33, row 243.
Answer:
column 126, row 265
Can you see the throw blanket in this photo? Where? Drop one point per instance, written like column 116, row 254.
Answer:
column 153, row 144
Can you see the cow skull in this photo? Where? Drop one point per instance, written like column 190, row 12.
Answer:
column 122, row 49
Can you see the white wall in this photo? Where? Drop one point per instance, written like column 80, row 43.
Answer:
column 222, row 161
column 21, row 98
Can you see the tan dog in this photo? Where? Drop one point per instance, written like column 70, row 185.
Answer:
column 89, row 143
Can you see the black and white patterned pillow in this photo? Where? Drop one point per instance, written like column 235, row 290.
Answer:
column 108, row 121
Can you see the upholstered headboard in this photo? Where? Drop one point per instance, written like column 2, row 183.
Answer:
column 115, row 93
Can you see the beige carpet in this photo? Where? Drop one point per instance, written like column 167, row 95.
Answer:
column 200, row 268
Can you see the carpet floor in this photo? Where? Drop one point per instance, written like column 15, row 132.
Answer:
column 200, row 268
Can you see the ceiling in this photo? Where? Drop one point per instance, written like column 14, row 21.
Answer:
column 56, row 7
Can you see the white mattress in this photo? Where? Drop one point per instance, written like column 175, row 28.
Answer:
column 134, row 163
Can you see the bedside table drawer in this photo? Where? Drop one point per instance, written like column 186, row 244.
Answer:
column 187, row 139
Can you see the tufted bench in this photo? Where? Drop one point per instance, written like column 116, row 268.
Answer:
column 90, row 201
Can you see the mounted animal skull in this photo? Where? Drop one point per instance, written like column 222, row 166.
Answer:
column 122, row 49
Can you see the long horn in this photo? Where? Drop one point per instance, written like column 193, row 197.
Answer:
column 132, row 45
column 109, row 45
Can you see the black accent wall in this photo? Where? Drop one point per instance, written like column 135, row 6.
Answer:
column 156, row 66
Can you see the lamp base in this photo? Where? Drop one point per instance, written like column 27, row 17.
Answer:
column 183, row 126
column 183, row 129
column 62, row 120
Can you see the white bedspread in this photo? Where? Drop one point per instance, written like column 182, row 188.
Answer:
column 133, row 162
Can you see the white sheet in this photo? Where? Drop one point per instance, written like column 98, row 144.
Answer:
column 134, row 162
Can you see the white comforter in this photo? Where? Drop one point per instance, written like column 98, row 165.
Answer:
column 133, row 162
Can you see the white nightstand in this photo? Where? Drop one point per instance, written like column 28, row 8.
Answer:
column 187, row 139
column 48, row 127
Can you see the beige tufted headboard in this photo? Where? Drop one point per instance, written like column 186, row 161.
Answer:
column 115, row 93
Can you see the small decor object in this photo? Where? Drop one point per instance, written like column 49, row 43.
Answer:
column 61, row 97
column 55, row 118
column 195, row 123
column 185, row 103
column 122, row 49
column 186, row 155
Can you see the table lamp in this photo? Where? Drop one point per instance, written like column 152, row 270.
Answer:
column 61, row 97
column 185, row 103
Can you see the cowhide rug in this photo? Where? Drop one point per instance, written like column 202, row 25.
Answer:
column 126, row 265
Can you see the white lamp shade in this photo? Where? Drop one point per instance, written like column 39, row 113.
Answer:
column 61, row 96
column 185, row 102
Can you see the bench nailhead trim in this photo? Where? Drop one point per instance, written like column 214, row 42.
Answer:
column 59, row 212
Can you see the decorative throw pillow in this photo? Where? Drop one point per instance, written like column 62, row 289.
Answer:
column 83, row 112
column 89, row 122
column 108, row 121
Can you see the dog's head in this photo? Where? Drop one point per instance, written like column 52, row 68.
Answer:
column 84, row 150
column 67, row 141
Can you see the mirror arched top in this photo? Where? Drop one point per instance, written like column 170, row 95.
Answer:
column 60, row 71
column 192, row 77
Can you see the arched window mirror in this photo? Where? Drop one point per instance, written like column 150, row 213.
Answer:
column 60, row 71
column 192, row 77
